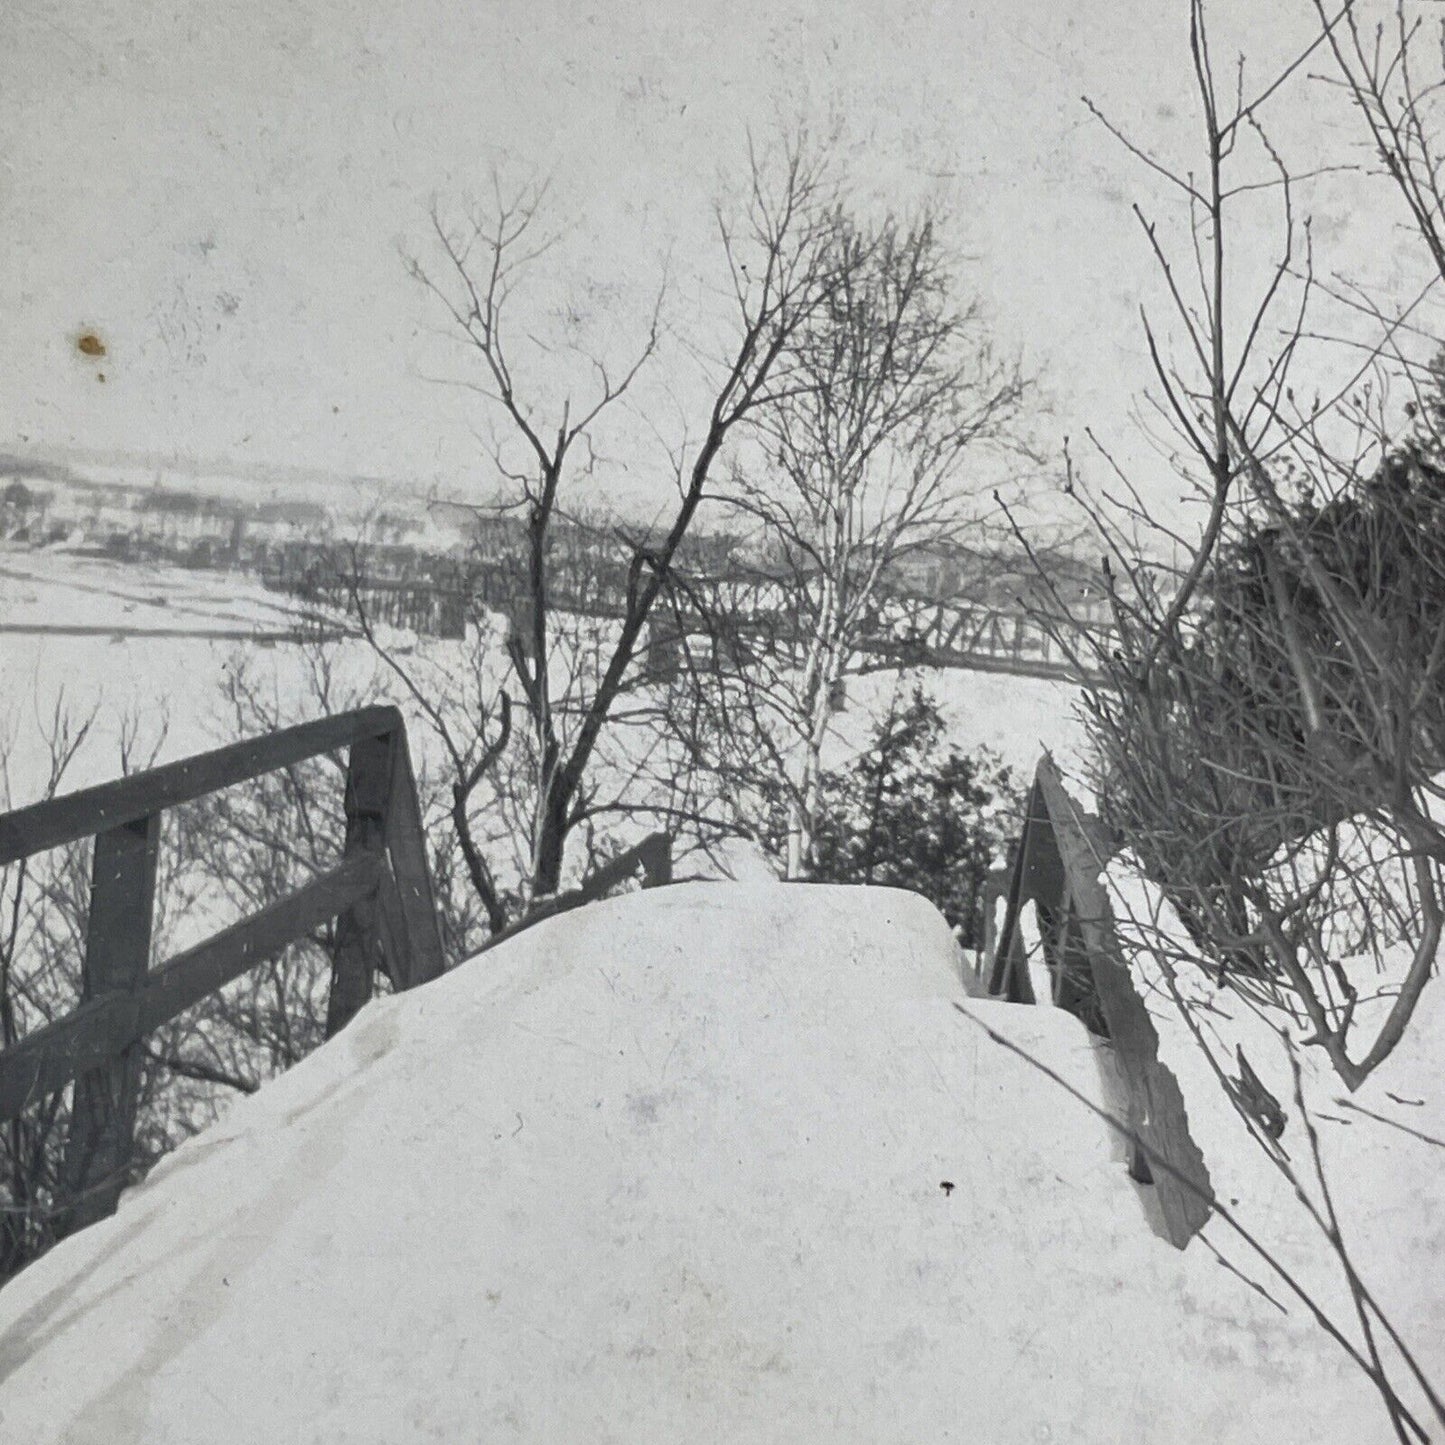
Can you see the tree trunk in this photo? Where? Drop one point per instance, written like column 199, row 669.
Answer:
column 803, row 822
column 551, row 842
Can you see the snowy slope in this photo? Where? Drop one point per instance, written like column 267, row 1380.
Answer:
column 1382, row 1147
column 665, row 1169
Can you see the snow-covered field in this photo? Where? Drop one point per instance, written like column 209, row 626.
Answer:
column 1019, row 718
column 52, row 590
column 716, row 1163
column 124, row 642
column 153, row 656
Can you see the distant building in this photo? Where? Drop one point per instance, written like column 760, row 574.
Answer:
column 22, row 511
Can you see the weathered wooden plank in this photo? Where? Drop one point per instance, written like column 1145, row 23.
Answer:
column 48, row 1059
column 117, row 955
column 392, row 925
column 418, row 937
column 110, row 805
column 998, row 883
column 191, row 976
column 653, row 855
column 1160, row 1117
column 358, row 933
column 1038, row 876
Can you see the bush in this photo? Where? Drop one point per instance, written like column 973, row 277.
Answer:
column 913, row 812
column 1272, row 760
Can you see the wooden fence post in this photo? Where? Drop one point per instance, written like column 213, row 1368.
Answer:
column 117, row 956
column 407, row 897
column 358, row 931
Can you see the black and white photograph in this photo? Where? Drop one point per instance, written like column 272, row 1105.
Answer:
column 722, row 722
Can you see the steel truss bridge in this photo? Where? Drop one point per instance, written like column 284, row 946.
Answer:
column 742, row 616
column 903, row 631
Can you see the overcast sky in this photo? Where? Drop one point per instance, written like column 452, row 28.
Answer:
column 220, row 189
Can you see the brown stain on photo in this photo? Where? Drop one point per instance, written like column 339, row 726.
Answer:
column 89, row 344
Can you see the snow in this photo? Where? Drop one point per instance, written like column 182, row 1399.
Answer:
column 670, row 1167
column 667, row 1168
column 1386, row 1176
column 151, row 646
column 49, row 589
column 1018, row 718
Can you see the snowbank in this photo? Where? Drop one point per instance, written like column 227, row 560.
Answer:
column 674, row 1167
column 1382, row 1148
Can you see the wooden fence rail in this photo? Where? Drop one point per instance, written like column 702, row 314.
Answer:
column 380, row 892
column 1058, row 868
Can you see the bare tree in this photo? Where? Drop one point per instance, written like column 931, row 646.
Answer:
column 873, row 456
column 785, row 266
column 35, row 986
column 1283, row 680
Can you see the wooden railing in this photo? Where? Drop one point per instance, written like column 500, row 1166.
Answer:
column 1058, row 867
column 380, row 892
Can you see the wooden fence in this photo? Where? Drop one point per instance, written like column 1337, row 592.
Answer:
column 1058, row 867
column 380, row 891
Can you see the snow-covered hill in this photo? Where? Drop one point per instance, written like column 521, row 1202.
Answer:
column 714, row 1163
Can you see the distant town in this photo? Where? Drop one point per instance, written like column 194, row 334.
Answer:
column 417, row 560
